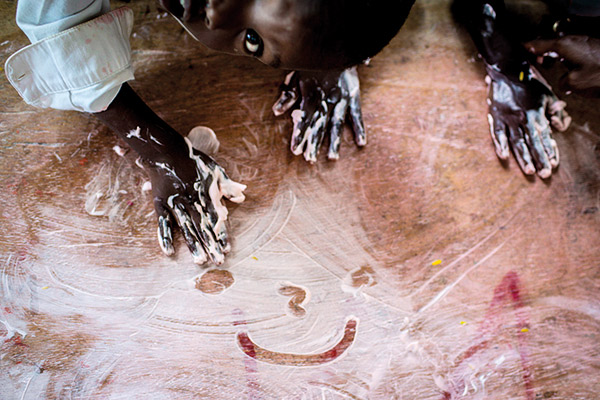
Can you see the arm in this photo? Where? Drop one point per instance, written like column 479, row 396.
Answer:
column 187, row 185
column 522, row 106
column 581, row 54
column 80, row 60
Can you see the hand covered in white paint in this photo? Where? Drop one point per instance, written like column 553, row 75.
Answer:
column 321, row 102
column 521, row 110
column 188, row 188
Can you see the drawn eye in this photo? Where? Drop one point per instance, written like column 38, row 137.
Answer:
column 253, row 44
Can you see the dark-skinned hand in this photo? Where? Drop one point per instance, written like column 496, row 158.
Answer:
column 522, row 110
column 581, row 54
column 321, row 103
column 188, row 187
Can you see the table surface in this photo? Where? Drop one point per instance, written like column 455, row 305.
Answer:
column 332, row 289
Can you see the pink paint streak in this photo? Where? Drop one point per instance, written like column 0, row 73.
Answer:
column 506, row 294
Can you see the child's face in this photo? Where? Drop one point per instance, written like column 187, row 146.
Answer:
column 273, row 31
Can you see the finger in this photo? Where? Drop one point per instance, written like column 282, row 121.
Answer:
column 558, row 116
column 303, row 118
column 498, row 133
column 165, row 230
column 315, row 132
column 205, row 224
column 533, row 137
column 549, row 143
column 288, row 96
column 190, row 233
column 223, row 238
column 338, row 116
column 360, row 135
column 353, row 85
column 498, row 128
column 520, row 150
column 312, row 98
column 219, row 187
column 232, row 190
column 298, row 137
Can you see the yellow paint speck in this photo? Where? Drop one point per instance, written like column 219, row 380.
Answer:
column 521, row 76
column 254, row 258
column 463, row 322
column 524, row 330
column 436, row 262
column 46, row 287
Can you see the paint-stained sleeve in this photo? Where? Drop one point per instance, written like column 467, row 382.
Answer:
column 79, row 56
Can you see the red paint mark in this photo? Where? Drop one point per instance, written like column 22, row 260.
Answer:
column 506, row 294
column 16, row 340
column 88, row 41
column 104, row 70
column 83, row 161
column 299, row 360
column 250, row 364
column 7, row 310
column 21, row 255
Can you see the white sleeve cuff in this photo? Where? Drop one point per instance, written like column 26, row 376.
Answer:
column 79, row 69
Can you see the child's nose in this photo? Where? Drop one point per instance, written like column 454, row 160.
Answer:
column 223, row 14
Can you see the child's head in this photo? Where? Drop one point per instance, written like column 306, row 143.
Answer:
column 294, row 34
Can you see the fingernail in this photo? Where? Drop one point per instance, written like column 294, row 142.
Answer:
column 502, row 153
column 333, row 156
column 545, row 173
column 199, row 258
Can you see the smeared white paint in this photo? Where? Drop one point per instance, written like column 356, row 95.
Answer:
column 119, row 150
column 136, row 133
column 11, row 330
column 489, row 11
column 498, row 361
column 171, row 200
column 105, row 193
column 441, row 294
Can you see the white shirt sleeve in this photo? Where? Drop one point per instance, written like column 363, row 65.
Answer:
column 79, row 56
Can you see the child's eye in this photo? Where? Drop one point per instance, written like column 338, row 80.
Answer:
column 253, row 44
